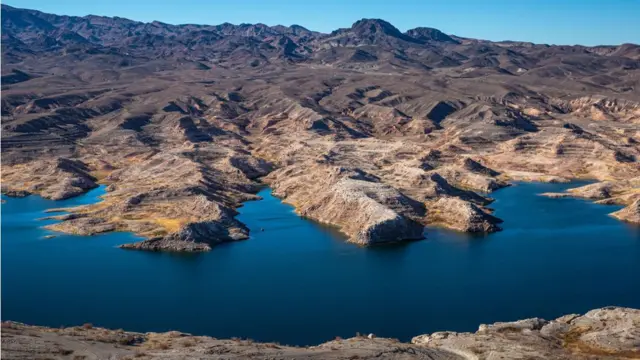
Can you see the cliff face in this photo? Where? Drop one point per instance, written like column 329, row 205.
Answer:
column 607, row 333
column 368, row 211
column 426, row 123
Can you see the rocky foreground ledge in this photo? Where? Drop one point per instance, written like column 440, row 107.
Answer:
column 607, row 333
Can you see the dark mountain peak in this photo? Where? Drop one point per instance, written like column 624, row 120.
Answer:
column 370, row 32
column 296, row 27
column 430, row 34
column 226, row 27
column 259, row 30
column 297, row 32
column 375, row 26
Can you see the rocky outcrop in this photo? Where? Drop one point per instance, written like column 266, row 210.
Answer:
column 476, row 167
column 630, row 213
column 597, row 191
column 168, row 245
column 533, row 176
column 475, row 180
column 68, row 188
column 367, row 211
column 602, row 108
column 15, row 193
column 622, row 192
column 193, row 237
column 460, row 215
column 606, row 334
column 80, row 225
column 55, row 179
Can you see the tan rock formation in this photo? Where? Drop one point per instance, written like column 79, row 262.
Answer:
column 630, row 213
column 607, row 334
column 461, row 215
column 418, row 125
column 622, row 192
column 366, row 210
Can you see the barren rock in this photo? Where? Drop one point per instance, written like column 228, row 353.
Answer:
column 396, row 110
column 460, row 215
column 630, row 213
column 607, row 333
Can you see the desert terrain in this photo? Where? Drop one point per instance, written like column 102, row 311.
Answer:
column 607, row 333
column 374, row 131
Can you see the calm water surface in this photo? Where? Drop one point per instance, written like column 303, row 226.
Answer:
column 300, row 283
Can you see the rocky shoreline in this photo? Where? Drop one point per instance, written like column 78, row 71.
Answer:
column 368, row 129
column 606, row 333
column 358, row 204
column 624, row 192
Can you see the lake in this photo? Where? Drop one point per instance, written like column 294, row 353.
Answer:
column 300, row 283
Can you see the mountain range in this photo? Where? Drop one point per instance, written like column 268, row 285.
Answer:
column 368, row 44
column 372, row 130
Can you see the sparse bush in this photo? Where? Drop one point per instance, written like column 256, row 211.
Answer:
column 160, row 345
column 188, row 343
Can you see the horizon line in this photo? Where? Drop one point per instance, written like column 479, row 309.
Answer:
column 320, row 32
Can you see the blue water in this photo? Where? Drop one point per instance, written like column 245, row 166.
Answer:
column 300, row 283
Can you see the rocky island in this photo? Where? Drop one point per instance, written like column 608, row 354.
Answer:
column 607, row 333
column 368, row 129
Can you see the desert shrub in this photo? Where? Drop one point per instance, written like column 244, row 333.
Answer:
column 188, row 343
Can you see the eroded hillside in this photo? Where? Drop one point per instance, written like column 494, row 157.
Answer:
column 375, row 131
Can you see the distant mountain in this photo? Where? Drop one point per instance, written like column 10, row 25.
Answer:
column 430, row 34
column 257, row 45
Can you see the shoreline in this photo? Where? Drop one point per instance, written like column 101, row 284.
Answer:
column 609, row 333
column 167, row 245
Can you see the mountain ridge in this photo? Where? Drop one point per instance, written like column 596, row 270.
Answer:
column 401, row 129
column 119, row 18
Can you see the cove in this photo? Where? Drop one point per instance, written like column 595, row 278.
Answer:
column 300, row 283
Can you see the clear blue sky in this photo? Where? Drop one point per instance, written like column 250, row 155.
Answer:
column 588, row 22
